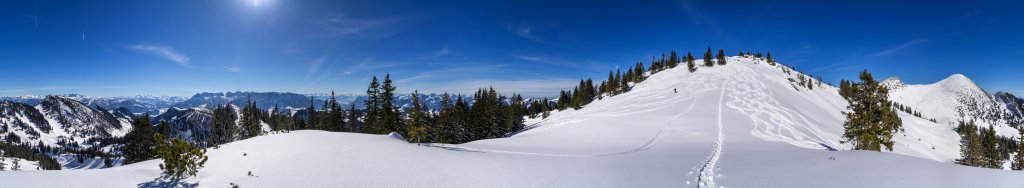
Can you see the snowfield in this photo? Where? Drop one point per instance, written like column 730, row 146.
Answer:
column 738, row 125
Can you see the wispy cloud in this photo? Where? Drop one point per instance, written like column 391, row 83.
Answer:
column 700, row 20
column 454, row 72
column 232, row 68
column 439, row 53
column 163, row 51
column 342, row 26
column 546, row 60
column 900, row 47
column 314, row 66
column 529, row 31
column 367, row 64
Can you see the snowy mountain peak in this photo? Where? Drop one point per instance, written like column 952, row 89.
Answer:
column 958, row 81
column 893, row 83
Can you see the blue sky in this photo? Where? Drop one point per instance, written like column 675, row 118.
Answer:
column 117, row 48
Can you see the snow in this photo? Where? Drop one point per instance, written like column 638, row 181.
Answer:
column 951, row 100
column 737, row 125
column 25, row 165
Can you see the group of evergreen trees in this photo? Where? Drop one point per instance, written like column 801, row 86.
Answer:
column 251, row 117
column 381, row 115
column 982, row 147
column 979, row 146
column 490, row 115
column 20, row 151
column 872, row 120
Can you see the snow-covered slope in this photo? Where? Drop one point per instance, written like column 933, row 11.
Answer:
column 738, row 125
column 58, row 118
column 952, row 100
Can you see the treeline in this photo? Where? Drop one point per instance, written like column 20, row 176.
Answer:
column 911, row 111
column 982, row 147
column 27, row 152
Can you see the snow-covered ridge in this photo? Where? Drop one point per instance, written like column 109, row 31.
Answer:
column 954, row 99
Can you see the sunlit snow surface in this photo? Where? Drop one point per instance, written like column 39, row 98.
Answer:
column 737, row 125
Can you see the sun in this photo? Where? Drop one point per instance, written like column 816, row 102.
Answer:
column 256, row 3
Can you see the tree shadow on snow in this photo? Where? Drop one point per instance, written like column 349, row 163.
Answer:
column 167, row 182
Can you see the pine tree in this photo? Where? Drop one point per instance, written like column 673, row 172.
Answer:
column 707, row 59
column 971, row 153
column 139, row 145
column 180, row 158
column 673, row 59
column 872, row 120
column 250, row 120
column 372, row 104
column 721, row 57
column 689, row 62
column 769, row 59
column 989, row 145
column 638, row 71
column 336, row 116
column 311, row 119
column 390, row 118
column 353, row 120
column 275, row 124
column 1018, row 160
column 417, row 120
column 224, row 128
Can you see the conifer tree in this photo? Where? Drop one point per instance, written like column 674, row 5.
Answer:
column 180, row 158
column 872, row 120
column 251, row 119
column 372, row 109
column 336, row 116
column 673, row 59
column 417, row 120
column 353, row 120
column 275, row 124
column 1018, row 160
column 989, row 145
column 311, row 117
column 971, row 153
column 689, row 62
column 638, row 71
column 721, row 57
column 224, row 128
column 707, row 59
column 769, row 59
column 445, row 121
column 390, row 119
column 139, row 145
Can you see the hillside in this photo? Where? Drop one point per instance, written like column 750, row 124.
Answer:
column 739, row 125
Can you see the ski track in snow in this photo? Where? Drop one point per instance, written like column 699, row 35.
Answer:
column 772, row 121
column 706, row 176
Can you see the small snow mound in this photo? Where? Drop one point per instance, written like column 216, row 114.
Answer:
column 396, row 136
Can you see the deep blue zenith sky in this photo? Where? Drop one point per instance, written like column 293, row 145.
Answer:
column 118, row 48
